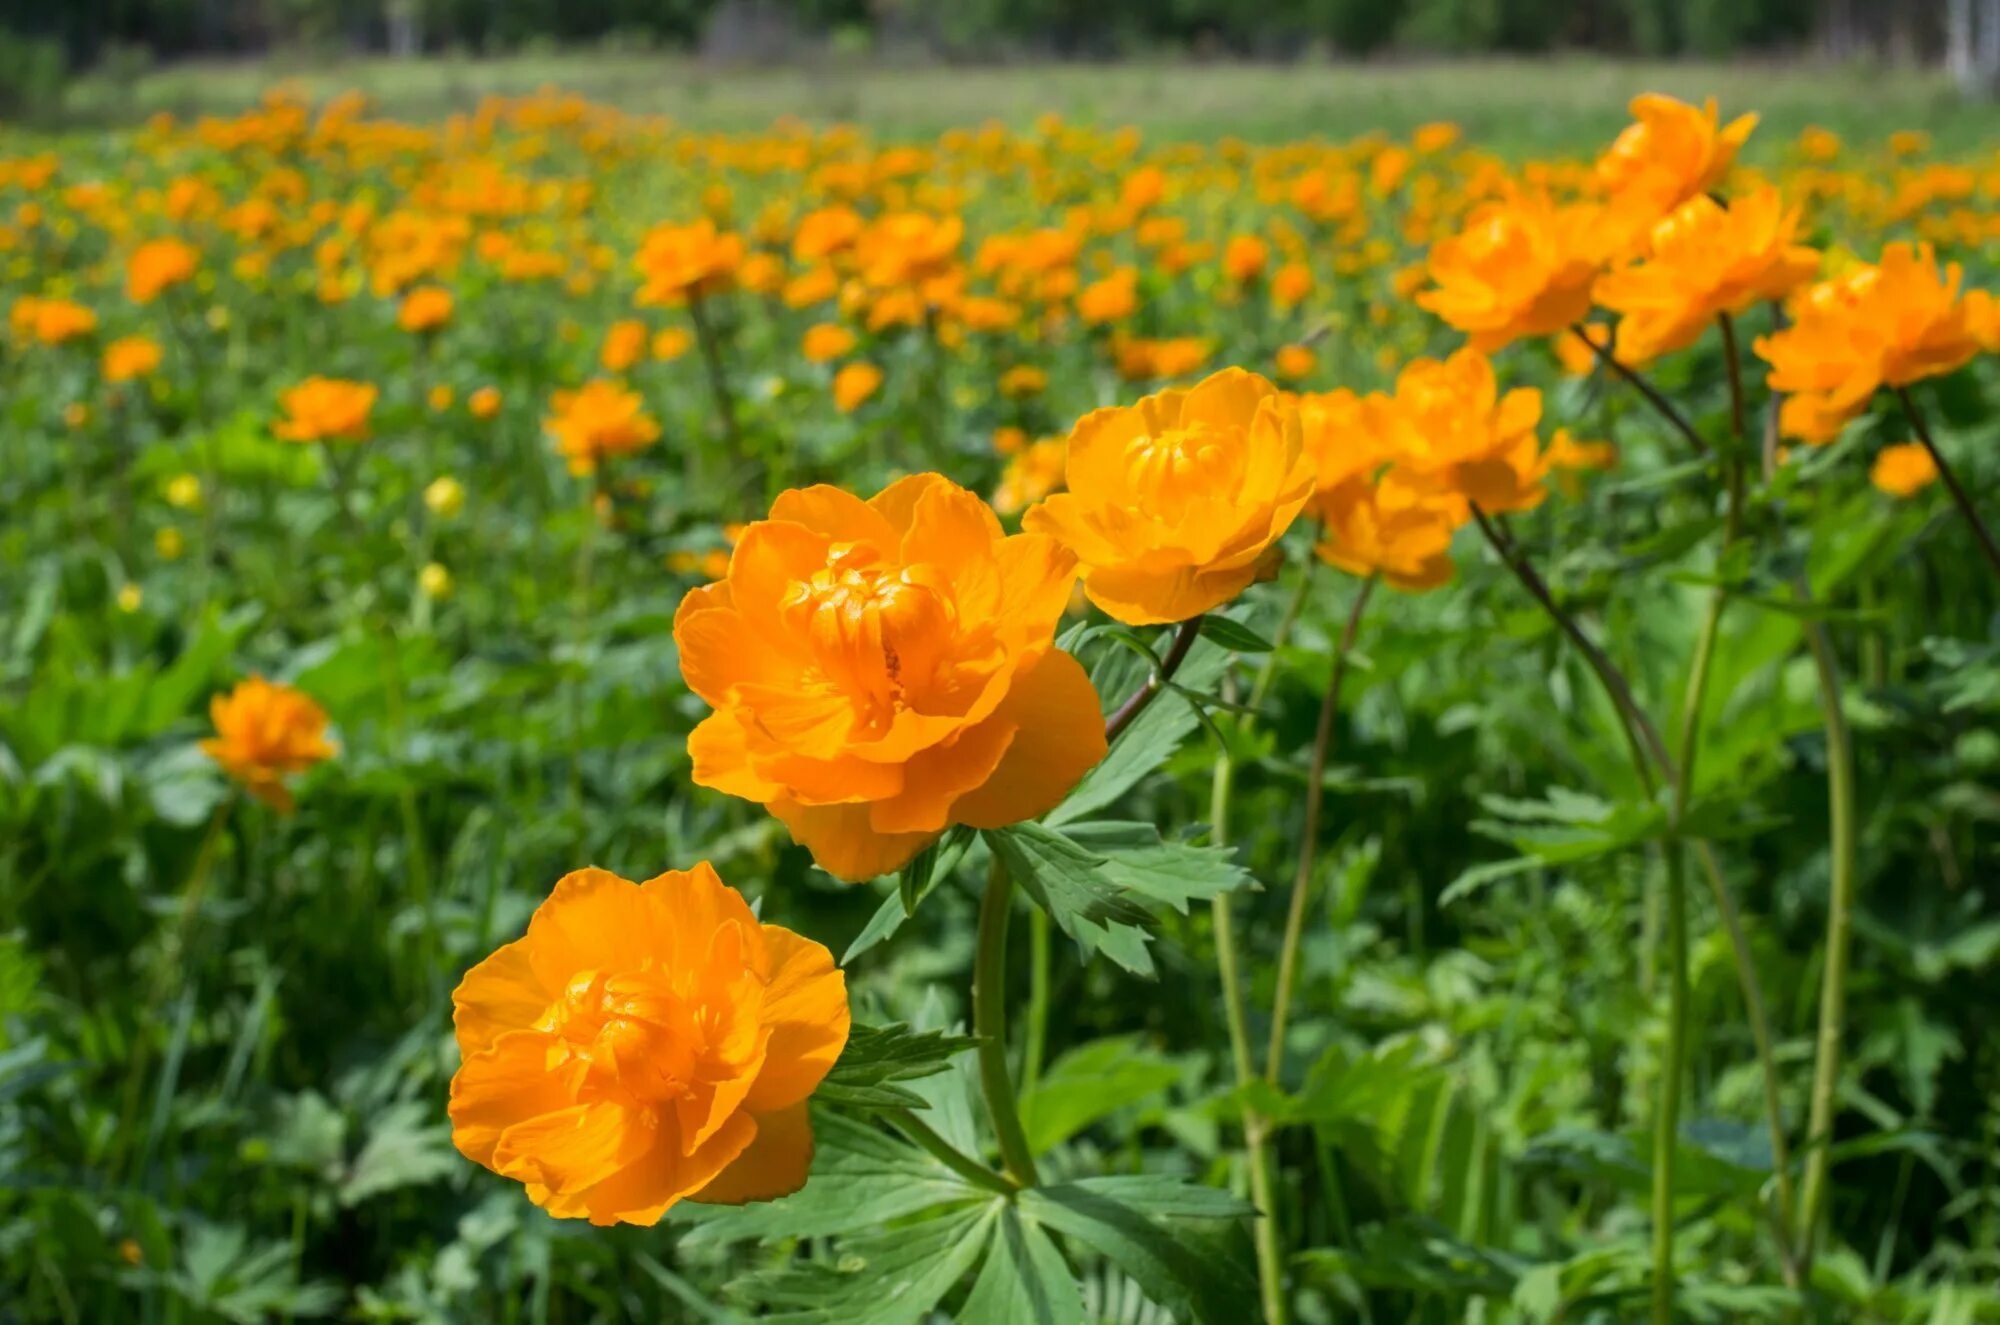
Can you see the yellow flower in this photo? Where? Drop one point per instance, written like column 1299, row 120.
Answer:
column 1450, row 430
column 1903, row 470
column 156, row 266
column 1389, row 529
column 1673, row 153
column 170, row 543
column 826, row 341
column 854, row 384
column 484, row 403
column 264, row 733
column 325, row 409
column 1023, row 380
column 184, row 492
column 882, row 670
column 434, row 581
column 599, row 420
column 444, row 497
column 1110, row 299
column 1173, row 501
column 1292, row 283
column 1244, row 258
column 1704, row 260
column 129, row 358
column 1033, row 473
column 440, row 397
column 1522, row 267
column 130, row 598
column 645, row 1044
column 426, row 308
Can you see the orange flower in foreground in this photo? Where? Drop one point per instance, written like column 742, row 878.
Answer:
column 645, row 1044
column 326, row 409
column 426, row 308
column 676, row 262
column 1891, row 324
column 1522, row 267
column 156, row 266
column 1451, row 431
column 264, row 733
column 1704, row 260
column 1173, row 501
column 130, row 357
column 598, row 420
column 1674, row 152
column 1903, row 470
column 882, row 670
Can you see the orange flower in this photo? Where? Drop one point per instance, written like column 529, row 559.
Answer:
column 624, row 345
column 1032, row 474
column 671, row 343
column 1574, row 355
column 1451, row 430
column 908, row 248
column 826, row 341
column 263, row 734
column 426, row 308
column 1704, row 260
column 1296, row 361
column 1244, row 257
column 50, row 321
column 854, row 384
column 1292, row 283
column 1903, row 470
column 1521, row 267
column 825, row 232
column 881, row 670
column 1172, row 502
column 642, row 1045
column 1108, row 300
column 1023, row 380
column 1389, row 529
column 1672, row 154
column 1434, row 137
column 131, row 357
column 326, row 409
column 156, row 266
column 1891, row 324
column 599, row 420
column 484, row 403
column 679, row 261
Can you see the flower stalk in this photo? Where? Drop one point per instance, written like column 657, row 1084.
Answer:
column 1950, row 477
column 989, row 1023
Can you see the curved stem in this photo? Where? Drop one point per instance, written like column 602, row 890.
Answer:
column 989, row 1022
column 1958, row 493
column 1135, row 703
column 1295, row 914
column 1270, row 1259
column 1839, row 916
column 1036, row 1046
column 1262, row 685
column 1652, row 393
column 919, row 1131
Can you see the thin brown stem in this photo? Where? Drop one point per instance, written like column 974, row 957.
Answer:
column 1295, row 915
column 1136, row 702
column 1958, row 493
column 1647, row 389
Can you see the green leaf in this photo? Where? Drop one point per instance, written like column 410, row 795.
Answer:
column 1090, row 1082
column 875, row 1056
column 1175, row 873
column 1153, row 736
column 892, row 1277
column 404, row 1149
column 1234, row 635
column 1025, row 1279
column 1130, row 1223
column 1063, row 878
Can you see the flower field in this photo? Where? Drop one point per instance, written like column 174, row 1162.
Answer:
column 607, row 720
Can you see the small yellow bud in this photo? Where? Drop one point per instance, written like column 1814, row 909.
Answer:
column 445, row 497
column 435, row 581
column 169, row 543
column 130, row 598
column 184, row 492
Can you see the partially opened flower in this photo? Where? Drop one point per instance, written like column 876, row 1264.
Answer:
column 1891, row 324
column 1519, row 267
column 1173, row 502
column 645, row 1044
column 677, row 262
column 1389, row 528
column 264, row 733
column 1451, row 430
column 325, row 409
column 882, row 670
column 1705, row 260
column 598, row 420
column 1672, row 153
column 157, row 266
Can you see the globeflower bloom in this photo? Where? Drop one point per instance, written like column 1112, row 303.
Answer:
column 264, row 733
column 882, row 670
column 854, row 384
column 326, row 409
column 599, row 420
column 1903, row 470
column 1892, row 324
column 1173, row 502
column 642, row 1045
column 1389, row 529
column 50, row 321
column 677, row 262
column 1672, row 153
column 157, row 266
column 1705, row 260
column 1452, row 431
column 1521, row 267
column 130, row 357
column 426, row 308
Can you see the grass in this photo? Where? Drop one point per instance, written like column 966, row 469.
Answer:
column 1514, row 105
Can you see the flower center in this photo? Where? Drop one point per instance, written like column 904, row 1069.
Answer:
column 1172, row 466
column 876, row 629
column 641, row 1038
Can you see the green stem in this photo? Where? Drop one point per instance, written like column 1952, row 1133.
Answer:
column 1951, row 483
column 950, row 1155
column 1839, row 918
column 1036, row 1046
column 1666, row 1119
column 989, row 1023
column 1270, row 1259
column 718, row 377
column 1295, row 913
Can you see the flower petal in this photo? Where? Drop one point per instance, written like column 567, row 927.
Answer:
column 1060, row 737
column 775, row 1164
column 805, row 1005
